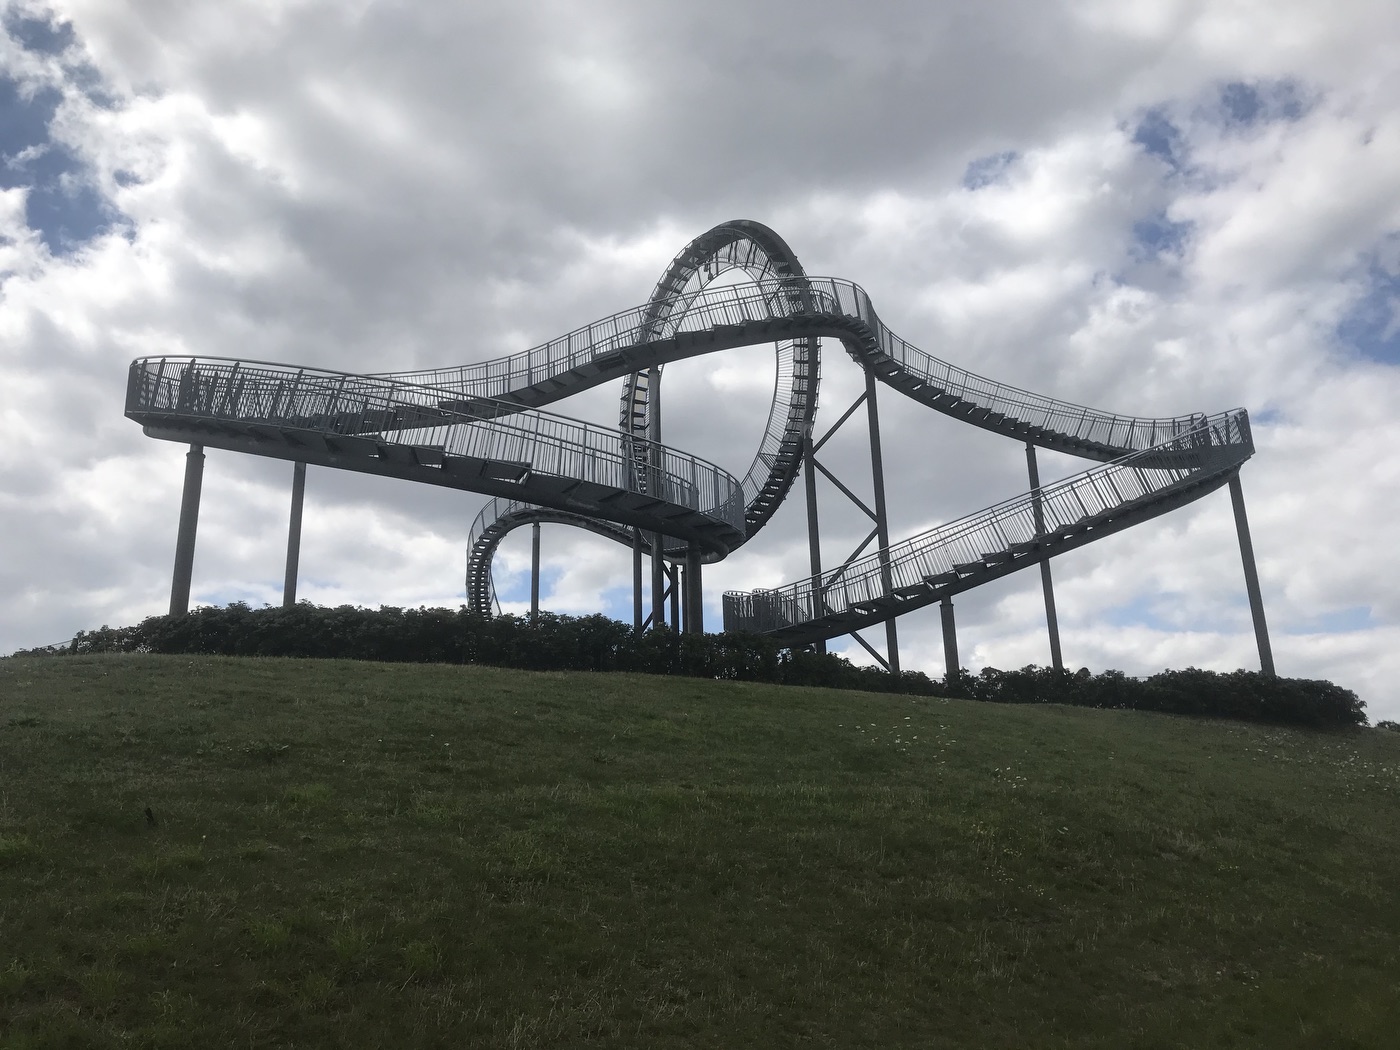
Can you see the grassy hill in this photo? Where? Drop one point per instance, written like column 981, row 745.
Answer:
column 365, row 854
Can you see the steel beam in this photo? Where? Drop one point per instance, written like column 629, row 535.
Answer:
column 658, row 564
column 882, row 523
column 535, row 572
column 1052, row 621
column 289, row 581
column 694, row 604
column 189, row 525
column 950, row 640
column 637, row 580
column 658, row 583
column 1251, row 578
column 814, row 543
column 673, row 573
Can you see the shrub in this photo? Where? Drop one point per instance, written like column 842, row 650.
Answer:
column 597, row 643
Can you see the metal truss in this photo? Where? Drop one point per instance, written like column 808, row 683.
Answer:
column 478, row 427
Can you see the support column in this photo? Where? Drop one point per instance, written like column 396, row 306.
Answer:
column 1046, row 584
column 674, row 573
column 289, row 582
column 950, row 640
column 814, row 543
column 658, row 583
column 1251, row 578
column 189, row 524
column 637, row 579
column 882, row 525
column 535, row 572
column 694, row 597
column 658, row 565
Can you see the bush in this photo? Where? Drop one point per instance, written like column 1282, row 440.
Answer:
column 1249, row 696
column 597, row 643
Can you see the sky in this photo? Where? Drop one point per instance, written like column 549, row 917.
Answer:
column 1149, row 206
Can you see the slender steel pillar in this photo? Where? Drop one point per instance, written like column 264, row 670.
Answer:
column 535, row 572
column 950, row 640
column 814, row 543
column 189, row 524
column 658, row 583
column 289, row 582
column 694, row 604
column 1046, row 584
column 658, row 564
column 699, row 624
column 675, row 576
column 1251, row 578
column 637, row 579
column 882, row 525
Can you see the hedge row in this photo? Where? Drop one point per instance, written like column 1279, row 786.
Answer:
column 596, row 643
column 1246, row 695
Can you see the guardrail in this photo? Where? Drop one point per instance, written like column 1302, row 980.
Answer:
column 836, row 300
column 961, row 547
column 400, row 413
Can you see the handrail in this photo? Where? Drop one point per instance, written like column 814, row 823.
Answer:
column 841, row 304
column 1218, row 443
column 394, row 411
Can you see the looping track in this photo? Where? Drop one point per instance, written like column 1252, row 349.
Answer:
column 479, row 427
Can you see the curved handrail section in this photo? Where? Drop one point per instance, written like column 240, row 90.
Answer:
column 388, row 427
column 990, row 543
column 478, row 427
column 750, row 248
column 501, row 515
column 757, row 311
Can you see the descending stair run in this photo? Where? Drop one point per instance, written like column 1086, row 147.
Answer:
column 999, row 540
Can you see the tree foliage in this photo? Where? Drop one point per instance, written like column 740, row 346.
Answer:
column 597, row 643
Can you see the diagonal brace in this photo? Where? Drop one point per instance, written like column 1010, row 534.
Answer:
column 869, row 649
column 849, row 494
column 837, row 425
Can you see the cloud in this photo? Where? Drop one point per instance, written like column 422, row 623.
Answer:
column 1148, row 206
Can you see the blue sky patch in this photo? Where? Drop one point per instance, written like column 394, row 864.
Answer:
column 1160, row 138
column 988, row 170
column 1372, row 326
column 38, row 35
column 1157, row 235
column 63, row 205
column 1244, row 105
column 1159, row 611
column 1339, row 621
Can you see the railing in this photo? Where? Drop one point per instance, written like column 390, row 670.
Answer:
column 397, row 412
column 957, row 547
column 841, row 302
column 497, row 512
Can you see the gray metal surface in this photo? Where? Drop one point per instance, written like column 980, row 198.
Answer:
column 415, row 432
column 477, row 427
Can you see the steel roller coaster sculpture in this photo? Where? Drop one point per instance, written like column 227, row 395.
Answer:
column 482, row 428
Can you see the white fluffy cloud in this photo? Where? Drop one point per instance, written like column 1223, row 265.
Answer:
column 1150, row 206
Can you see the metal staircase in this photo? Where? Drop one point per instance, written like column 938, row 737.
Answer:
column 397, row 429
column 1001, row 539
column 478, row 427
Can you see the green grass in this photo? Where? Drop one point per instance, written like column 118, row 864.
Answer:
column 366, row 855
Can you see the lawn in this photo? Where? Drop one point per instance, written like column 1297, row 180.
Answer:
column 356, row 854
